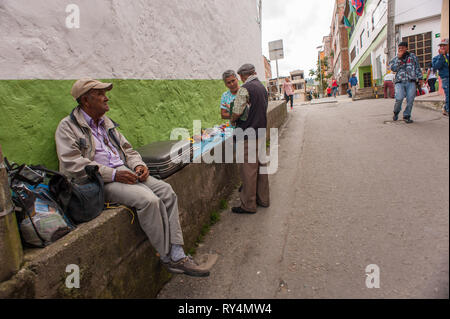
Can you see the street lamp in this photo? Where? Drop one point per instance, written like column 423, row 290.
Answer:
column 320, row 72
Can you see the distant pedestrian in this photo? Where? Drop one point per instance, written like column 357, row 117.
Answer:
column 408, row 72
column 288, row 90
column 431, row 78
column 353, row 82
column 335, row 87
column 388, row 85
column 328, row 91
column 440, row 64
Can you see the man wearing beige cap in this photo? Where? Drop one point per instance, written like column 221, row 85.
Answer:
column 250, row 116
column 88, row 137
column 441, row 64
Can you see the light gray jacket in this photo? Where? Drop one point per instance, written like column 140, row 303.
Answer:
column 75, row 146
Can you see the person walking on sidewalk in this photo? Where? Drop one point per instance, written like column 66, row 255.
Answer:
column 388, row 85
column 250, row 115
column 353, row 84
column 431, row 78
column 408, row 72
column 88, row 137
column 440, row 63
column 334, row 85
column 288, row 91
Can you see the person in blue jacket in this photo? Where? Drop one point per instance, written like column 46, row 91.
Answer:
column 440, row 63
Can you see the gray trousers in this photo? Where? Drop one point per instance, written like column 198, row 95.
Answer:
column 157, row 209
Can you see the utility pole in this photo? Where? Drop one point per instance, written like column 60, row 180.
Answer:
column 11, row 252
column 278, row 80
column 391, row 45
column 320, row 72
column 276, row 52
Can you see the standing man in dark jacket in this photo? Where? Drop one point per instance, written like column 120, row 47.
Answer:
column 408, row 72
column 440, row 63
column 250, row 115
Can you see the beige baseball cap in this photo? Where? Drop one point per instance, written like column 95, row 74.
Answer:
column 81, row 86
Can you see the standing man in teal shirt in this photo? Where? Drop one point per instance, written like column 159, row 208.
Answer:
column 228, row 97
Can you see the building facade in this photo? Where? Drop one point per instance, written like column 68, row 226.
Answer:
column 267, row 69
column 416, row 22
column 299, row 83
column 419, row 24
column 326, row 45
column 339, row 46
column 368, row 42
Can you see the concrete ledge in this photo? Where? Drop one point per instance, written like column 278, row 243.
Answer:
column 433, row 101
column 115, row 257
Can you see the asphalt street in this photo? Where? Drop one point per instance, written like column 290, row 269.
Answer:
column 352, row 189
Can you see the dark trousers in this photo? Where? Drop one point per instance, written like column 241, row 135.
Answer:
column 389, row 89
column 289, row 98
column 432, row 84
column 255, row 186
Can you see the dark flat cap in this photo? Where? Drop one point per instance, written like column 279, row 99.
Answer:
column 246, row 68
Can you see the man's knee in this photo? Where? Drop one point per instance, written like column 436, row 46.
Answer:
column 149, row 199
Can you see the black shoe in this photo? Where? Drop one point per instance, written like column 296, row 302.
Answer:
column 261, row 205
column 395, row 118
column 239, row 210
column 408, row 120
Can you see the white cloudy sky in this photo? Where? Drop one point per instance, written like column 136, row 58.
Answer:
column 301, row 24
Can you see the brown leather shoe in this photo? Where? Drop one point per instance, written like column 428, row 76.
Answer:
column 187, row 266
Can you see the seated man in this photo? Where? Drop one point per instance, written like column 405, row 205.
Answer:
column 228, row 97
column 126, row 176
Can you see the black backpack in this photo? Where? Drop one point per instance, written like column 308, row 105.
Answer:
column 81, row 202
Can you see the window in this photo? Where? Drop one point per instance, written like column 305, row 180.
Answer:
column 361, row 38
column 368, row 30
column 379, row 69
column 353, row 54
column 421, row 45
column 378, row 13
column 367, row 79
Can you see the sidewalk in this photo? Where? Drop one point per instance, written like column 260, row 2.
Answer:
column 433, row 101
column 324, row 100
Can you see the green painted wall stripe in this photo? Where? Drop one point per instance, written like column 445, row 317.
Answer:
column 147, row 111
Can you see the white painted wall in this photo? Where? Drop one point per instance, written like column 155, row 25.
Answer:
column 140, row 39
column 411, row 10
column 432, row 25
